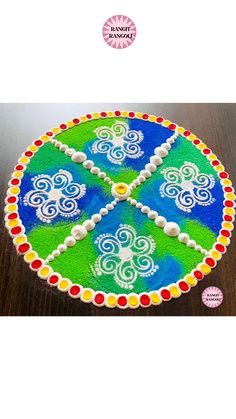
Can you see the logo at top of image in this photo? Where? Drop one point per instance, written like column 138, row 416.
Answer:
column 119, row 31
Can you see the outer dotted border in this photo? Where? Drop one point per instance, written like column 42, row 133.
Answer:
column 99, row 298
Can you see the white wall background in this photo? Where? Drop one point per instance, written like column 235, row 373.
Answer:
column 54, row 51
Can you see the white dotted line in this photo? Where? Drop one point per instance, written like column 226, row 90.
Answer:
column 170, row 228
column 155, row 161
column 81, row 158
column 80, row 231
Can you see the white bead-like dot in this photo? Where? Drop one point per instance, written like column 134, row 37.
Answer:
column 139, row 205
column 70, row 151
column 89, row 225
column 96, row 218
column 63, row 147
column 56, row 253
column 145, row 209
column 141, row 178
column 152, row 214
column 160, row 151
column 183, row 237
column 95, row 170
column 157, row 160
column 166, row 146
column 171, row 229
column 145, row 173
column 150, row 167
column 103, row 211
column 50, row 258
column 69, row 241
column 88, row 164
column 109, row 207
column 62, row 248
column 160, row 221
column 102, row 175
column 79, row 232
column 79, row 157
column 191, row 243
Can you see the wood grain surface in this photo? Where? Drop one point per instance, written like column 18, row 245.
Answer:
column 22, row 293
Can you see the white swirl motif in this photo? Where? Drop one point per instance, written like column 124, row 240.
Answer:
column 118, row 142
column 125, row 256
column 187, row 186
column 55, row 195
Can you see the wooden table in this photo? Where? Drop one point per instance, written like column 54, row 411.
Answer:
column 22, row 293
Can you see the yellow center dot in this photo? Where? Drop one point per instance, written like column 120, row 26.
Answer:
column 133, row 301
column 45, row 271
column 55, row 129
column 224, row 240
column 83, row 118
column 174, row 290
column 216, row 255
column 180, row 130
column 63, row 285
column 20, row 239
column 191, row 280
column 121, row 189
column 110, row 114
column 30, row 256
column 111, row 300
column 124, row 113
column 11, row 208
column 226, row 182
column 87, row 295
column 95, row 115
column 192, row 137
column 18, row 174
column 205, row 268
column 15, row 190
column 70, row 124
column 138, row 115
column 202, row 146
column 155, row 298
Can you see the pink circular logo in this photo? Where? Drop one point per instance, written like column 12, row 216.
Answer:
column 212, row 297
column 119, row 31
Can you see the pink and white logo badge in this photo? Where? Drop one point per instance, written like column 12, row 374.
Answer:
column 212, row 297
column 119, row 31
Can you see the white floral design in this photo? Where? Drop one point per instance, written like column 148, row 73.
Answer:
column 55, row 195
column 118, row 142
column 187, row 186
column 125, row 255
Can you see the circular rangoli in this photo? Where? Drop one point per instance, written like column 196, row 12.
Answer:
column 121, row 209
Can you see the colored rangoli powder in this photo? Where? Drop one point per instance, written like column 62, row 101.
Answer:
column 121, row 209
